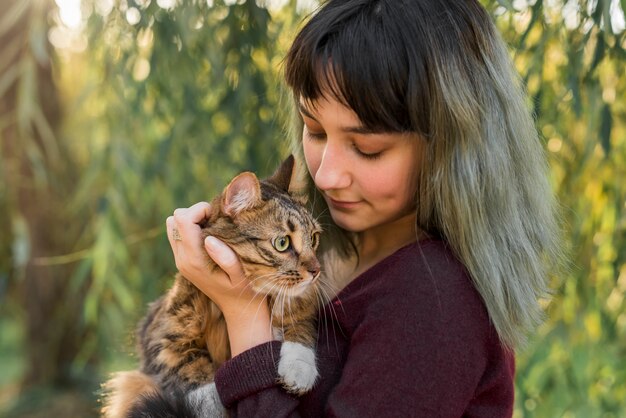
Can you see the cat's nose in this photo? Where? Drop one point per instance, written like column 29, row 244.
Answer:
column 312, row 267
column 314, row 271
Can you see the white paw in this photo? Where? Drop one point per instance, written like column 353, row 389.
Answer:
column 296, row 367
column 205, row 402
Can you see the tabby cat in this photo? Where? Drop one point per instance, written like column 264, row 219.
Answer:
column 183, row 338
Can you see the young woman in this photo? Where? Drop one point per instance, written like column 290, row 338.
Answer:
column 421, row 152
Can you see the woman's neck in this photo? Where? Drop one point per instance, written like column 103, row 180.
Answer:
column 378, row 243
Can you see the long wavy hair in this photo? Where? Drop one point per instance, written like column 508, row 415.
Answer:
column 441, row 69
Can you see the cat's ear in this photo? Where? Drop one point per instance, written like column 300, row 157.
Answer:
column 291, row 177
column 282, row 177
column 242, row 193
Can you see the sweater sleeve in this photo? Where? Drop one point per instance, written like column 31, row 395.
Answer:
column 247, row 384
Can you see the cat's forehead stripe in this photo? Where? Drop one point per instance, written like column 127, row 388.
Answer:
column 297, row 241
column 304, row 221
column 294, row 209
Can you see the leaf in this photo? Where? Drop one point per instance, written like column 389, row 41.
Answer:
column 598, row 53
column 80, row 275
column 535, row 13
column 597, row 12
column 507, row 4
column 606, row 124
column 606, row 15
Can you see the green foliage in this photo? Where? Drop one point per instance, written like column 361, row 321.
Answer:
column 572, row 60
column 165, row 105
column 178, row 103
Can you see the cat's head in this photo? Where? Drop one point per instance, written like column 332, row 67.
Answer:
column 276, row 236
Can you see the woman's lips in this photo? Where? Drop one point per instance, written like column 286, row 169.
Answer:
column 342, row 204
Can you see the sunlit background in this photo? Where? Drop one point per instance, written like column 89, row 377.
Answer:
column 115, row 112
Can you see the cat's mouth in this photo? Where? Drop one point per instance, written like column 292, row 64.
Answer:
column 299, row 288
column 289, row 285
column 298, row 284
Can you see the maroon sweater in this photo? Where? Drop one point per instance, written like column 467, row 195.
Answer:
column 408, row 338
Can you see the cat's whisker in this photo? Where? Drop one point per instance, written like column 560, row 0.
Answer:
column 284, row 297
column 290, row 311
column 320, row 301
column 250, row 301
column 326, row 299
column 272, row 286
column 321, row 311
column 322, row 213
column 277, row 304
column 261, row 277
column 256, row 313
column 326, row 226
column 261, row 288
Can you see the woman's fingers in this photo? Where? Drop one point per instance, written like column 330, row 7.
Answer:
column 187, row 221
column 183, row 234
column 226, row 287
column 170, row 226
column 192, row 215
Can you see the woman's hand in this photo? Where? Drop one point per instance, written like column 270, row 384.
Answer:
column 246, row 312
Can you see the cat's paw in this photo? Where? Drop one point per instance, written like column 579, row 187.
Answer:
column 205, row 402
column 296, row 368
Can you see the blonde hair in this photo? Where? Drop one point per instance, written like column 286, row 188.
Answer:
column 440, row 68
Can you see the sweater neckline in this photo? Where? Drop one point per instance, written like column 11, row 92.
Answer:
column 369, row 272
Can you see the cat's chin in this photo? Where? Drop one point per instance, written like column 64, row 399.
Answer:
column 299, row 289
column 289, row 290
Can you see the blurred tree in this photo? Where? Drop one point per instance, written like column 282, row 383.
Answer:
column 36, row 169
column 38, row 173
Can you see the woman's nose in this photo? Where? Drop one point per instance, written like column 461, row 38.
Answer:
column 333, row 171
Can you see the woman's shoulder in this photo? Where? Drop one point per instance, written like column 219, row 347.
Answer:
column 422, row 281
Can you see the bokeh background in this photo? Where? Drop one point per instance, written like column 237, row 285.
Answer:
column 115, row 112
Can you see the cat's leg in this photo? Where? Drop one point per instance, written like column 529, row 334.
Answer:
column 204, row 401
column 297, row 368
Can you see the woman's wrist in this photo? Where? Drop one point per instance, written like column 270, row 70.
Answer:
column 248, row 327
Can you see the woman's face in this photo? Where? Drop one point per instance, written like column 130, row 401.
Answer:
column 368, row 179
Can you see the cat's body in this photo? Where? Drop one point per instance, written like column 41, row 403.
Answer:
column 183, row 338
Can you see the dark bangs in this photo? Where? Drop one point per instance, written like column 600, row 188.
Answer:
column 370, row 57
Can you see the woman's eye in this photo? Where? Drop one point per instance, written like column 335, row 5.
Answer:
column 281, row 243
column 315, row 135
column 368, row 156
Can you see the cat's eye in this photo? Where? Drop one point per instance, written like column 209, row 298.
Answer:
column 281, row 243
